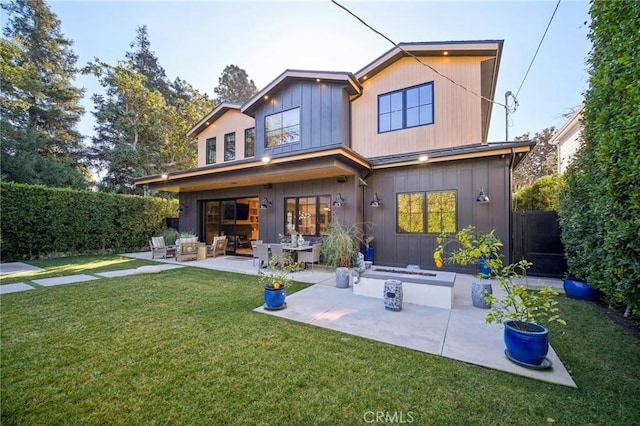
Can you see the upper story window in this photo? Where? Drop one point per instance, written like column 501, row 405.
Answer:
column 405, row 108
column 229, row 146
column 211, row 150
column 282, row 128
column 250, row 142
column 426, row 212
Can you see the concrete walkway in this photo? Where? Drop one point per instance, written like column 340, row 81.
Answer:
column 460, row 333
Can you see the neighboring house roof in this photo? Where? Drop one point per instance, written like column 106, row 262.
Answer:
column 215, row 114
column 568, row 139
column 352, row 84
column 569, row 127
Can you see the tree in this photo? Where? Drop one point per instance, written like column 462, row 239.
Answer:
column 145, row 62
column 541, row 161
column 600, row 213
column 543, row 194
column 234, row 85
column 39, row 107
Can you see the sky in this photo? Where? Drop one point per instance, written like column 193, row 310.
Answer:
column 195, row 40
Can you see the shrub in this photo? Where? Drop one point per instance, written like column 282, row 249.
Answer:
column 543, row 194
column 38, row 221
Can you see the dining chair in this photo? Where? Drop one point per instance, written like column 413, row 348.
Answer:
column 262, row 252
column 312, row 256
column 254, row 252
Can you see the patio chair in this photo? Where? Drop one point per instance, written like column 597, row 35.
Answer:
column 262, row 252
column 188, row 249
column 218, row 247
column 158, row 248
column 253, row 250
column 312, row 256
column 276, row 250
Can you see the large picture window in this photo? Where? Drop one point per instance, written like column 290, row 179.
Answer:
column 309, row 216
column 229, row 146
column 282, row 128
column 211, row 150
column 250, row 142
column 430, row 212
column 405, row 108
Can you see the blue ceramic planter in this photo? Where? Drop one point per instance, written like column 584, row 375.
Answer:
column 274, row 298
column 579, row 290
column 528, row 348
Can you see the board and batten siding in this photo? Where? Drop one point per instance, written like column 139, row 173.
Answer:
column 457, row 113
column 324, row 120
column 465, row 177
column 231, row 121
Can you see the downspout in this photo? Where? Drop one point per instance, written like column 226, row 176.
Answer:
column 510, row 200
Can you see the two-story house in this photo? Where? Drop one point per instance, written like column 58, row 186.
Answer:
column 399, row 146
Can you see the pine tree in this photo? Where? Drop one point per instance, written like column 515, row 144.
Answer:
column 145, row 61
column 234, row 85
column 40, row 108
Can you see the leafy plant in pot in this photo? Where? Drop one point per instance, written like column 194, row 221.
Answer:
column 483, row 249
column 520, row 310
column 275, row 280
column 340, row 245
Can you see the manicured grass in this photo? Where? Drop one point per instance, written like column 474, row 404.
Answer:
column 61, row 266
column 185, row 347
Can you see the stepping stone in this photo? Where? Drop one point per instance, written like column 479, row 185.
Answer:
column 14, row 267
column 69, row 279
column 149, row 269
column 14, row 288
column 120, row 273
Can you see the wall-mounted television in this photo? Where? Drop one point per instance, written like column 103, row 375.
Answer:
column 238, row 211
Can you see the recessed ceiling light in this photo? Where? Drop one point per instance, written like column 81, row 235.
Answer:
column 423, row 157
column 445, row 53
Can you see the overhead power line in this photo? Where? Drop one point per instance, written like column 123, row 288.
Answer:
column 538, row 49
column 414, row 56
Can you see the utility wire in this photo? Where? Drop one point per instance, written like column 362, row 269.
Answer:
column 538, row 49
column 415, row 57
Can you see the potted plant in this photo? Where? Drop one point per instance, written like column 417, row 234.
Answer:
column 368, row 248
column 275, row 280
column 520, row 310
column 578, row 289
column 482, row 249
column 340, row 245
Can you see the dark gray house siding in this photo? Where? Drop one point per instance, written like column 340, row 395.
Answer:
column 271, row 220
column 324, row 116
column 465, row 177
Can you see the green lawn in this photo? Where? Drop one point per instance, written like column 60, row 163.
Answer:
column 185, row 347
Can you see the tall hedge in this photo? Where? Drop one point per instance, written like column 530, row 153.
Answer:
column 544, row 194
column 600, row 213
column 38, row 221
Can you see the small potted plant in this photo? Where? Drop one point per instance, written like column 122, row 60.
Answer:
column 275, row 280
column 520, row 310
column 340, row 245
column 368, row 248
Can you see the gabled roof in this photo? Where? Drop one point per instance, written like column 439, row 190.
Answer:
column 569, row 127
column 352, row 85
column 432, row 48
column 217, row 112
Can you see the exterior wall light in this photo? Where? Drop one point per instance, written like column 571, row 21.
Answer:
column 376, row 202
column 339, row 202
column 265, row 203
column 482, row 197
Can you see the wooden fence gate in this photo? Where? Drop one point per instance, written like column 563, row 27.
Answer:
column 536, row 238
